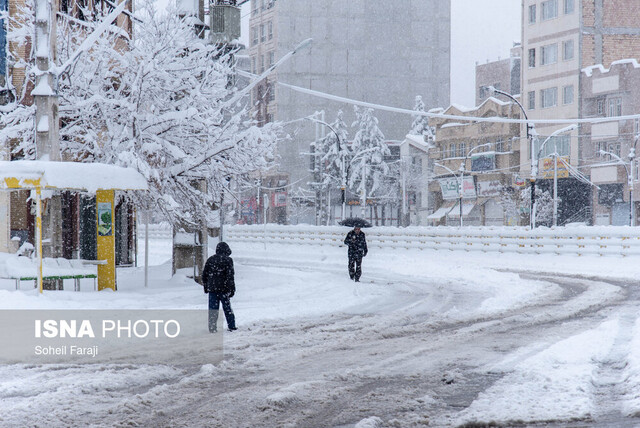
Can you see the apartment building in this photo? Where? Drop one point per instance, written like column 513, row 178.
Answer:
column 503, row 74
column 559, row 39
column 609, row 147
column 488, row 153
column 375, row 51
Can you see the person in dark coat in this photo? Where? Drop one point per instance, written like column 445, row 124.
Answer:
column 357, row 244
column 218, row 280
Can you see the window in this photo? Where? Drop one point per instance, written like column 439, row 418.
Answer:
column 549, row 97
column 263, row 36
column 601, row 107
column 270, row 29
column 549, row 9
column 271, row 92
column 532, row 100
column 272, row 58
column 557, row 144
column 255, row 7
column 567, row 94
column 253, row 64
column 614, row 107
column 500, row 146
column 637, row 126
column 254, row 33
column 452, row 150
column 261, row 64
column 532, row 14
column 567, row 50
column 461, row 150
column 532, row 58
column 569, row 6
column 614, row 148
column 549, row 54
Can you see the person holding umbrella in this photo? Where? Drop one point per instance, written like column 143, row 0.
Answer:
column 357, row 244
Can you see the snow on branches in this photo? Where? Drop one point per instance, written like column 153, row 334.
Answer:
column 368, row 167
column 155, row 103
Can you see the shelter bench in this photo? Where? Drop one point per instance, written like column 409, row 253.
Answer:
column 59, row 269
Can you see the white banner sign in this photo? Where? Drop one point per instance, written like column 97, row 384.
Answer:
column 489, row 188
column 450, row 189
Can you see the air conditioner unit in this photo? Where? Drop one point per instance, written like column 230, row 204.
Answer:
column 224, row 23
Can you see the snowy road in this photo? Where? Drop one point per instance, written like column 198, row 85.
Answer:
column 438, row 340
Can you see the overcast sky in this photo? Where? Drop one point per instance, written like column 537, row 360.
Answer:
column 481, row 30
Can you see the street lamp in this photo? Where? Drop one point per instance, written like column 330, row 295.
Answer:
column 629, row 171
column 241, row 93
column 534, row 173
column 531, row 138
column 343, row 170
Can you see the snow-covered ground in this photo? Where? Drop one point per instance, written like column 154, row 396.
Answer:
column 428, row 337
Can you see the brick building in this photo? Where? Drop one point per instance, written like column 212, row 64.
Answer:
column 559, row 39
column 606, row 146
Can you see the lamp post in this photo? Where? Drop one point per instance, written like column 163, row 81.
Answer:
column 534, row 173
column 531, row 139
column 343, row 169
column 629, row 171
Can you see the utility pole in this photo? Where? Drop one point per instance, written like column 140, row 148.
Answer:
column 364, row 190
column 404, row 193
column 45, row 94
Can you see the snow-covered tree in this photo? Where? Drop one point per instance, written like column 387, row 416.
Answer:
column 16, row 117
column 336, row 153
column 156, row 103
column 544, row 204
column 368, row 166
column 420, row 125
column 332, row 157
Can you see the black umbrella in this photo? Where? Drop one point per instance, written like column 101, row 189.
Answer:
column 355, row 222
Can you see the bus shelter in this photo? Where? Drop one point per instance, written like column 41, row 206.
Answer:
column 100, row 179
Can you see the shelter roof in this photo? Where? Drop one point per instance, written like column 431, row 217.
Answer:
column 27, row 174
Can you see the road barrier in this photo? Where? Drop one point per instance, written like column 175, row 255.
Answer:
column 576, row 240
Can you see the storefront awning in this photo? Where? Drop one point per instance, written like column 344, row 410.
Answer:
column 466, row 209
column 440, row 212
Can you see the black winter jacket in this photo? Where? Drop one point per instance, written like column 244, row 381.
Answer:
column 357, row 244
column 218, row 273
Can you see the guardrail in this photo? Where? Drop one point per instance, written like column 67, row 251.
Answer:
column 577, row 240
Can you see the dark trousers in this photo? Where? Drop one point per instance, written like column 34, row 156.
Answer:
column 355, row 266
column 214, row 304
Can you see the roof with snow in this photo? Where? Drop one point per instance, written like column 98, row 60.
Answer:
column 589, row 70
column 417, row 141
column 88, row 177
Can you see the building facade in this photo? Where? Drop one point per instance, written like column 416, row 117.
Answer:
column 503, row 74
column 488, row 155
column 375, row 51
column 559, row 39
column 609, row 147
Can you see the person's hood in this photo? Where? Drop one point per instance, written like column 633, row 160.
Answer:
column 223, row 249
